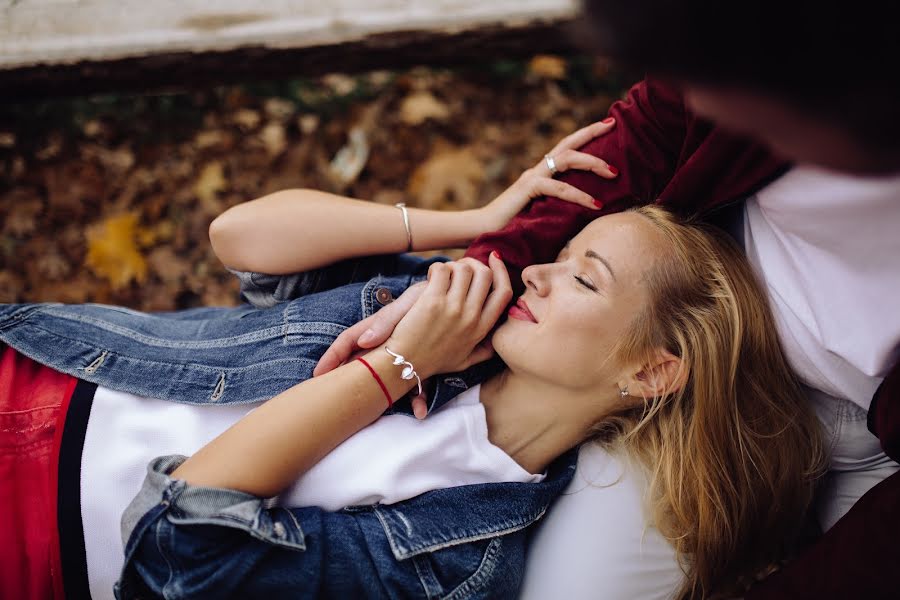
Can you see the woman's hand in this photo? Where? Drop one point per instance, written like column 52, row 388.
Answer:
column 444, row 330
column 538, row 180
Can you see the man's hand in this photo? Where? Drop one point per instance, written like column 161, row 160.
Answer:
column 369, row 333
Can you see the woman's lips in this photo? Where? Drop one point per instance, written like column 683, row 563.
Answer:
column 520, row 311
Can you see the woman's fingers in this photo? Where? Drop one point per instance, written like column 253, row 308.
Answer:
column 500, row 296
column 461, row 274
column 584, row 135
column 572, row 159
column 438, row 279
column 545, row 186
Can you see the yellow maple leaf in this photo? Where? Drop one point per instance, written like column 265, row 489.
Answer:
column 112, row 251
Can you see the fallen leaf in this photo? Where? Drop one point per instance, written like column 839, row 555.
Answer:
column 209, row 184
column 279, row 109
column 112, row 252
column 167, row 265
column 548, row 66
column 350, row 160
column 23, row 209
column 52, row 266
column 7, row 139
column 307, row 124
column 11, row 287
column 339, row 83
column 247, row 119
column 420, row 106
column 450, row 178
column 274, row 139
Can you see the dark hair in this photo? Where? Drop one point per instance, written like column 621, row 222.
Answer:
column 837, row 60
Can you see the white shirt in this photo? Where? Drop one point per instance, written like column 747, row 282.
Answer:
column 827, row 247
column 402, row 457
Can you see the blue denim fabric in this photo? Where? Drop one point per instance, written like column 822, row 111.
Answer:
column 464, row 542
column 188, row 542
column 222, row 355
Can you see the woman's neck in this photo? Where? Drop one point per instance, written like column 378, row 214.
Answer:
column 535, row 422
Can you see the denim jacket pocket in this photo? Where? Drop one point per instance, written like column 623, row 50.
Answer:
column 479, row 569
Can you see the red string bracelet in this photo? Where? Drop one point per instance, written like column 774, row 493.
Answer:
column 384, row 389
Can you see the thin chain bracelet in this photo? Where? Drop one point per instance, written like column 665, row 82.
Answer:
column 409, row 371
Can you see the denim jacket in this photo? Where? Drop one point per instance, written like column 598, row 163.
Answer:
column 184, row 541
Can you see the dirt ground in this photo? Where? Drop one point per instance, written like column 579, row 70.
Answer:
column 108, row 199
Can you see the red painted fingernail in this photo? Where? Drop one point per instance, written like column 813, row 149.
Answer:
column 612, row 169
column 598, row 203
column 496, row 255
column 608, row 120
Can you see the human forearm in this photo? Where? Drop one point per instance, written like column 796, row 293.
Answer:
column 279, row 441
column 298, row 230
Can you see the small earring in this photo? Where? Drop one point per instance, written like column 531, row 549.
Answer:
column 624, row 392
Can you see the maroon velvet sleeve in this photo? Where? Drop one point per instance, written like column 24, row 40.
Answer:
column 645, row 146
column 884, row 414
column 857, row 558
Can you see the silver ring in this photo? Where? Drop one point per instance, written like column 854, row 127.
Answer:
column 551, row 164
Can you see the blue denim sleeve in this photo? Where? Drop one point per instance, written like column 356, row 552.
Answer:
column 264, row 291
column 184, row 541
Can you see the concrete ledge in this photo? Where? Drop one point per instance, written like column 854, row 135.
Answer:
column 59, row 32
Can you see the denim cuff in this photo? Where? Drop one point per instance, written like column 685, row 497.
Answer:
column 197, row 505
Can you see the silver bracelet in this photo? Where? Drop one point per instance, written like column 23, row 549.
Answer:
column 409, row 371
column 402, row 207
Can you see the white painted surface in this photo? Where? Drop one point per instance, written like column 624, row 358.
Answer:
column 67, row 31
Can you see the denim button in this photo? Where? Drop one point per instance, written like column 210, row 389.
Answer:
column 279, row 530
column 384, row 296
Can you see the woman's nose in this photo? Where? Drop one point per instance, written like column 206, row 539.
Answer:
column 537, row 277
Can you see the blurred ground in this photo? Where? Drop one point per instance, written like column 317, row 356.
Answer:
column 108, row 199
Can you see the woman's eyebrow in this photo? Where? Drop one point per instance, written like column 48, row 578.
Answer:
column 591, row 254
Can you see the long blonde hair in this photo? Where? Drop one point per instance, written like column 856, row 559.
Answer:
column 733, row 455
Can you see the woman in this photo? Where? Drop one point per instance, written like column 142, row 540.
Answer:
column 649, row 331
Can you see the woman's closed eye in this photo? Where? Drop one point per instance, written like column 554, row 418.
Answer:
column 586, row 283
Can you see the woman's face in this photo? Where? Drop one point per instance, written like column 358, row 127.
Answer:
column 574, row 311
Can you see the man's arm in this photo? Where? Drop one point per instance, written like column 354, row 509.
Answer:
column 858, row 557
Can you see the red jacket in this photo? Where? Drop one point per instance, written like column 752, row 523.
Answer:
column 666, row 154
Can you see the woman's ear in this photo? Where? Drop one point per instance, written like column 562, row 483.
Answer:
column 664, row 374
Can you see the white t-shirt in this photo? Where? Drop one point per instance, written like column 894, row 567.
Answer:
column 827, row 247
column 403, row 457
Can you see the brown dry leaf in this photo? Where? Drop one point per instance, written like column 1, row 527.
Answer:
column 274, row 139
column 279, row 109
column 22, row 212
column 115, row 160
column 420, row 106
column 7, row 139
column 450, row 178
column 52, row 265
column 339, row 83
column 112, row 252
column 209, row 184
column 167, row 265
column 11, row 286
column 246, row 119
column 308, row 124
column 209, row 138
column 548, row 66
column 221, row 294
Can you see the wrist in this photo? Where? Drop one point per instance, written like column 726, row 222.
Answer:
column 484, row 220
column 391, row 374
